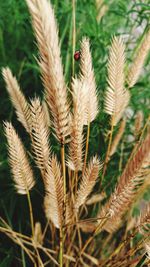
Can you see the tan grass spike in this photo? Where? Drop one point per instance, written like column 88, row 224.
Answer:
column 88, row 181
column 53, row 202
column 128, row 186
column 87, row 77
column 20, row 167
column 79, row 93
column 117, row 97
column 40, row 135
column 138, row 62
column 17, row 97
column 46, row 33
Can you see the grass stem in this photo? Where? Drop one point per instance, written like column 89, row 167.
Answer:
column 61, row 247
column 86, row 148
column 31, row 212
column 108, row 150
column 64, row 205
column 73, row 33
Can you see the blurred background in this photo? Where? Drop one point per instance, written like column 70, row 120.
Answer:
column 100, row 20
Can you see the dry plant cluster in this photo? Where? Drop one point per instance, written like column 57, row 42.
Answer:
column 76, row 239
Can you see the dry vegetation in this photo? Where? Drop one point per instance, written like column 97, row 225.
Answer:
column 75, row 238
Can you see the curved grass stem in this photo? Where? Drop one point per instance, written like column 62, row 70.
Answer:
column 108, row 150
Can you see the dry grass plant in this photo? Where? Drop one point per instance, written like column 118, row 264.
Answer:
column 69, row 183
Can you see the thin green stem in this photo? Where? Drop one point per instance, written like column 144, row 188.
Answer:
column 64, row 205
column 31, row 212
column 64, row 171
column 61, row 238
column 86, row 148
column 73, row 33
column 108, row 150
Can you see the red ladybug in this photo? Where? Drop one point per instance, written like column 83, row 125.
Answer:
column 77, row 55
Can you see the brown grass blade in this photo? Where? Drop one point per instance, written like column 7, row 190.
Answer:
column 17, row 97
column 87, row 77
column 53, row 203
column 138, row 62
column 46, row 33
column 88, row 181
column 20, row 167
column 117, row 97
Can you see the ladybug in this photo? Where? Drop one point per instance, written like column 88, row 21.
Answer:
column 77, row 55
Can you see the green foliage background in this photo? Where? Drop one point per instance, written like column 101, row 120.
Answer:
column 18, row 51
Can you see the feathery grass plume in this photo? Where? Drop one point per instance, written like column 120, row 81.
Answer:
column 144, row 221
column 138, row 62
column 117, row 97
column 38, row 237
column 143, row 188
column 46, row 33
column 79, row 93
column 20, row 167
column 129, row 183
column 95, row 198
column 118, row 137
column 138, row 123
column 88, row 181
column 87, row 77
column 40, row 135
column 147, row 248
column 53, row 202
column 144, row 227
column 69, row 214
column 101, row 9
column 46, row 111
column 87, row 227
column 17, row 97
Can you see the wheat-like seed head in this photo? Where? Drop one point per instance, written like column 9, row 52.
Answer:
column 87, row 77
column 117, row 97
column 138, row 167
column 128, row 186
column 144, row 227
column 138, row 123
column 17, row 97
column 143, row 188
column 20, row 167
column 138, row 62
column 38, row 236
column 47, row 114
column 144, row 221
column 88, row 181
column 79, row 93
column 46, row 33
column 53, row 203
column 40, row 134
